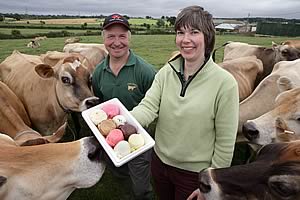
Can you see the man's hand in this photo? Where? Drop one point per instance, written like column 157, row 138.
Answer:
column 196, row 194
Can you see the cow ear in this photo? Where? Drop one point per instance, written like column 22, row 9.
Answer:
column 57, row 135
column 284, row 84
column 2, row 180
column 274, row 44
column 44, row 71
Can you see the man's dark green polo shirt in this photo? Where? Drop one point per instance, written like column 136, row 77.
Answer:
column 131, row 84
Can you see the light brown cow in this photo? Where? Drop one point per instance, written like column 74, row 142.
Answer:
column 46, row 92
column 268, row 56
column 283, row 120
column 293, row 43
column 16, row 123
column 262, row 100
column 274, row 175
column 49, row 171
column 95, row 53
column 244, row 70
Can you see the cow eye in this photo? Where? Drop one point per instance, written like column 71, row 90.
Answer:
column 282, row 189
column 66, row 80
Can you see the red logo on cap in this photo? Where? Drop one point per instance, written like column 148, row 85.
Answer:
column 116, row 17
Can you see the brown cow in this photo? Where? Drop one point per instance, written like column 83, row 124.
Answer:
column 49, row 171
column 46, row 92
column 268, row 56
column 284, row 117
column 262, row 100
column 16, row 123
column 275, row 175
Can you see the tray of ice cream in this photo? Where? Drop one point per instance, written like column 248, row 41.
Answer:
column 119, row 133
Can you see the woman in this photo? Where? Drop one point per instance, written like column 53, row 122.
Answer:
column 196, row 105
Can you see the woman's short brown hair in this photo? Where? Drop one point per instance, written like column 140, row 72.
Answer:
column 198, row 18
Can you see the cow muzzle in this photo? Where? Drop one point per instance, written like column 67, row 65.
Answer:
column 89, row 102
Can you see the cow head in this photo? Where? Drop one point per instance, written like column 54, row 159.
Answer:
column 285, row 52
column 285, row 116
column 275, row 175
column 73, row 83
column 49, row 171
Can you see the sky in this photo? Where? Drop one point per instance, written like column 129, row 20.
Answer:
column 289, row 9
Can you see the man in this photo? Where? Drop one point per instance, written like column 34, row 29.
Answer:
column 126, row 76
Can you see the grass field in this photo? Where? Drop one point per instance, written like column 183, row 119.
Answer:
column 156, row 49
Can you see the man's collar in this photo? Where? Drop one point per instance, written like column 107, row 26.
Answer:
column 130, row 62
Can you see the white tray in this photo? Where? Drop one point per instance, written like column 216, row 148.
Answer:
column 149, row 142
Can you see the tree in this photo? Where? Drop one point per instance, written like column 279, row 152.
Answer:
column 2, row 18
column 126, row 16
column 160, row 23
column 17, row 17
column 84, row 25
column 171, row 20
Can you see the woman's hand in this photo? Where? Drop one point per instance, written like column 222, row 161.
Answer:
column 196, row 194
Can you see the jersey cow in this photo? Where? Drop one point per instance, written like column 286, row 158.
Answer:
column 268, row 56
column 16, row 123
column 275, row 175
column 280, row 123
column 48, row 171
column 48, row 93
column 262, row 100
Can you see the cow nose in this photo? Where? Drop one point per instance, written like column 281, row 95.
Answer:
column 204, row 185
column 92, row 102
column 250, row 131
column 95, row 150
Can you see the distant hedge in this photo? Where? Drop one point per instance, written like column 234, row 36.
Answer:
column 278, row 29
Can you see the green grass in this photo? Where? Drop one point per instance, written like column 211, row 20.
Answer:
column 137, row 21
column 156, row 49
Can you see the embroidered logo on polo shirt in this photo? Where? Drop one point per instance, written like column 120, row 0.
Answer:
column 131, row 86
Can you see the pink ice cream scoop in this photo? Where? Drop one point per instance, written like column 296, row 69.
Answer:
column 114, row 137
column 111, row 110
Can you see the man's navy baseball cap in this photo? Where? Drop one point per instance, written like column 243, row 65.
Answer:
column 115, row 19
